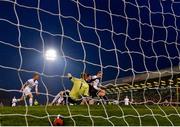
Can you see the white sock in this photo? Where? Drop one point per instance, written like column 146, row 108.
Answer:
column 56, row 98
column 19, row 100
column 30, row 101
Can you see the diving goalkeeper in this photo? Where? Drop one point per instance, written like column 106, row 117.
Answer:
column 80, row 89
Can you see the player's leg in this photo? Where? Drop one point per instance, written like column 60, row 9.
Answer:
column 30, row 99
column 91, row 100
column 86, row 100
column 55, row 99
column 94, row 94
column 66, row 96
column 25, row 92
column 60, row 101
column 21, row 98
column 72, row 101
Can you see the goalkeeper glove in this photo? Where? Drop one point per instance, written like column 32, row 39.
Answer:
column 69, row 75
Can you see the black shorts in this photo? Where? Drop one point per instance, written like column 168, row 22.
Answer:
column 90, row 89
column 93, row 92
column 72, row 101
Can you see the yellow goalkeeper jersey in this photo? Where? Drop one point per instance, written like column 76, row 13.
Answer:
column 80, row 88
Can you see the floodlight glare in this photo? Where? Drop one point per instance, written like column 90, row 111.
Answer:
column 50, row 54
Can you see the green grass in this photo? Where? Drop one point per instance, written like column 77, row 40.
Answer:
column 133, row 116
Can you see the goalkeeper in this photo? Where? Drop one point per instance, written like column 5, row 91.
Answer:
column 80, row 89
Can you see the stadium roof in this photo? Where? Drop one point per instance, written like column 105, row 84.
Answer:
column 135, row 82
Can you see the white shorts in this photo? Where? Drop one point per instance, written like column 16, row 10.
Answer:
column 126, row 103
column 27, row 91
column 13, row 104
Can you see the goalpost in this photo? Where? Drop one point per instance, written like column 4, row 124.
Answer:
column 131, row 41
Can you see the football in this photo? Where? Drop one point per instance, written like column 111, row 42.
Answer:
column 58, row 122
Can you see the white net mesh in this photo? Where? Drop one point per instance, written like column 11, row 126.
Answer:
column 120, row 38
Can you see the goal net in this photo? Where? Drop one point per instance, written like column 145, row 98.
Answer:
column 134, row 43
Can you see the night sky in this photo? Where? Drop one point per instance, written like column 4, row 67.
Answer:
column 122, row 38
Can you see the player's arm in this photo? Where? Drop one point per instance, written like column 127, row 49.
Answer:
column 24, row 85
column 71, row 77
column 96, row 87
column 86, row 92
column 102, row 87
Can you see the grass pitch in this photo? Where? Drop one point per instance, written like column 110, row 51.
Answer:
column 95, row 115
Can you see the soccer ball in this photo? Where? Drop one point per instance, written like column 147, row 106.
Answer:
column 36, row 103
column 58, row 121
